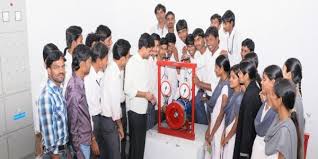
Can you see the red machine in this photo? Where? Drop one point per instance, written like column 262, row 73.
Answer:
column 179, row 115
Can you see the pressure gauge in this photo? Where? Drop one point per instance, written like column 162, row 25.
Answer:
column 184, row 90
column 165, row 88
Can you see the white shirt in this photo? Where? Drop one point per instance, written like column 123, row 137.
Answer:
column 154, row 77
column 112, row 92
column 185, row 77
column 233, row 44
column 161, row 32
column 137, row 78
column 93, row 92
column 179, row 45
column 68, row 70
column 209, row 75
column 223, row 40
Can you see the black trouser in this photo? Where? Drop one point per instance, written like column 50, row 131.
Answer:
column 124, row 122
column 137, row 134
column 107, row 137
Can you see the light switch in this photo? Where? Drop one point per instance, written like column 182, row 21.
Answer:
column 18, row 16
column 5, row 16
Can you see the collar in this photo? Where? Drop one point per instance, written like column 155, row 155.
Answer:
column 52, row 85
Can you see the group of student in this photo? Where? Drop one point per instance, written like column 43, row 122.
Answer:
column 91, row 87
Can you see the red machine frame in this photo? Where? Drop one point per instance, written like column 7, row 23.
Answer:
column 187, row 134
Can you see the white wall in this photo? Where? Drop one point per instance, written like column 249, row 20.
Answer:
column 280, row 29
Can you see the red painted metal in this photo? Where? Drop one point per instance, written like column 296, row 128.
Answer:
column 188, row 131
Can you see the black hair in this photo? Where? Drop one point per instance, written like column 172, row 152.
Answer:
column 181, row 24
column 273, row 72
column 103, row 32
column 169, row 13
column 252, row 57
column 163, row 41
column 171, row 38
column 189, row 40
column 213, row 31
column 155, row 36
column 235, row 69
column 53, row 56
column 72, row 34
column 146, row 41
column 81, row 53
column 90, row 39
column 293, row 66
column 47, row 49
column 216, row 16
column 223, row 62
column 160, row 7
column 285, row 89
column 228, row 16
column 99, row 51
column 249, row 43
column 121, row 48
column 198, row 32
column 248, row 67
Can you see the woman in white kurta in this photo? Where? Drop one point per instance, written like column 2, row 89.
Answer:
column 216, row 106
column 266, row 114
column 231, row 114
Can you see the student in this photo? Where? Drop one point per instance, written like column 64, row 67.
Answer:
column 201, row 97
column 283, row 138
column 231, row 114
column 169, row 73
column 152, row 110
column 216, row 21
column 252, row 57
column 73, row 39
column 137, row 89
column 52, row 109
column 191, row 50
column 105, row 35
column 266, row 113
column 79, row 120
column 172, row 50
column 93, row 92
column 111, row 98
column 47, row 49
column 217, row 104
column 182, row 30
column 292, row 70
column 251, row 102
column 170, row 21
column 232, row 37
column 91, row 39
column 160, row 28
column 248, row 46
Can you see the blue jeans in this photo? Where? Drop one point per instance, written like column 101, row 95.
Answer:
column 200, row 113
column 86, row 150
column 62, row 154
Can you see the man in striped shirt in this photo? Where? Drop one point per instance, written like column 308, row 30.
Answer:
column 52, row 110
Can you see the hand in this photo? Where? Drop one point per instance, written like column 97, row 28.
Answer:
column 223, row 141
column 224, row 52
column 94, row 147
column 262, row 96
column 207, row 134
column 164, row 108
column 184, row 50
column 55, row 156
column 196, row 80
column 121, row 132
column 153, row 101
column 149, row 96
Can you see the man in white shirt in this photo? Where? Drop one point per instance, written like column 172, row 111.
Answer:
column 160, row 28
column 112, row 96
column 233, row 37
column 73, row 39
column 209, row 79
column 137, row 89
column 199, row 43
column 216, row 21
column 182, row 30
column 93, row 92
column 152, row 109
